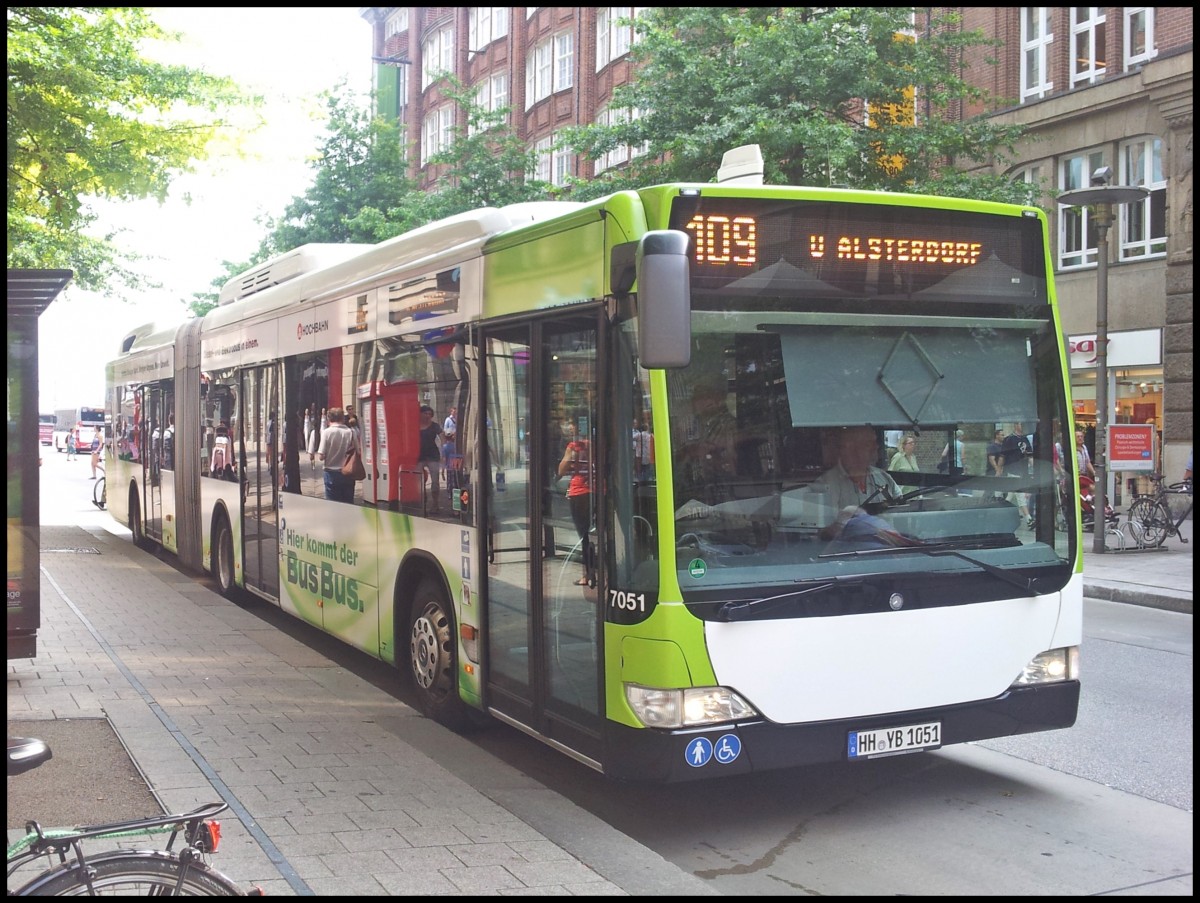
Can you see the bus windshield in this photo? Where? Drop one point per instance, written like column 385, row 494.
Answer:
column 818, row 445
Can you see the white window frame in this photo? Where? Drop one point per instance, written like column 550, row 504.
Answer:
column 561, row 163
column 1135, row 56
column 437, row 56
column 1143, row 223
column 437, row 131
column 1036, row 38
column 549, row 67
column 491, row 95
column 1076, row 230
column 1089, row 47
column 614, row 40
column 396, row 23
column 564, row 60
column 543, row 147
column 484, row 25
column 1032, row 174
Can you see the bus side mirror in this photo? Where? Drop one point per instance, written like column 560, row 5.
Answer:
column 664, row 300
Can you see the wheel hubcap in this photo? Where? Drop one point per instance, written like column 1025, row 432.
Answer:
column 425, row 649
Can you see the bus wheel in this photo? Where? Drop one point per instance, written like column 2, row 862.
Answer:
column 135, row 520
column 222, row 557
column 432, row 657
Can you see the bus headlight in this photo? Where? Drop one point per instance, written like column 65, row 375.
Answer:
column 1051, row 666
column 690, row 707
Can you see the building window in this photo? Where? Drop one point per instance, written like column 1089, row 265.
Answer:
column 613, row 36
column 1035, row 175
column 564, row 61
column 1036, row 39
column 437, row 56
column 1076, row 231
column 484, row 25
column 1139, row 35
column 1144, row 223
column 622, row 153
column 542, row 168
column 490, row 96
column 391, row 91
column 549, row 67
column 561, row 164
column 1087, row 45
column 437, row 132
column 395, row 23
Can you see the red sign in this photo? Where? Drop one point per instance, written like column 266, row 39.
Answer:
column 1131, row 446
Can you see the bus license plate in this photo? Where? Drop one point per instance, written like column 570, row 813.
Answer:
column 892, row 741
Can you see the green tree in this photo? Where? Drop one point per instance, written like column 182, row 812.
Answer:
column 356, row 173
column 89, row 116
column 828, row 93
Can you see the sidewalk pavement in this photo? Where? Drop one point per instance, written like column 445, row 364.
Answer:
column 1158, row 578
column 334, row 786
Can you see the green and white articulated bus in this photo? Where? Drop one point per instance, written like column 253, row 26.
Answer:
column 714, row 611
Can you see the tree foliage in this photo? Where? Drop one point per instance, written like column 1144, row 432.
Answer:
column 828, row 93
column 89, row 116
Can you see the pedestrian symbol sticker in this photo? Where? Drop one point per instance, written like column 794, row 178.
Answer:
column 699, row 751
column 727, row 748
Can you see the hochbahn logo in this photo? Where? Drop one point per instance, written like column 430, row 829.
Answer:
column 304, row 329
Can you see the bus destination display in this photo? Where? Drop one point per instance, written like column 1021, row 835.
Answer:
column 820, row 247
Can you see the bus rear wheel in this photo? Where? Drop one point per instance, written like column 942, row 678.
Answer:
column 222, row 558
column 433, row 661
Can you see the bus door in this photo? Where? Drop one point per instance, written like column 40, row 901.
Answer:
column 541, row 588
column 153, row 423
column 258, row 450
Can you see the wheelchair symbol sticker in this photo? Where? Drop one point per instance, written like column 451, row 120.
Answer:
column 728, row 748
column 699, row 751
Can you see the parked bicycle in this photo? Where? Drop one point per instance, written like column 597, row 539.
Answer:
column 1157, row 515
column 163, row 872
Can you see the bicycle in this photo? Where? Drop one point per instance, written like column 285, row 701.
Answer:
column 100, row 492
column 1150, row 517
column 72, row 872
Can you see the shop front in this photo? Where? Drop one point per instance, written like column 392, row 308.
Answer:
column 1135, row 391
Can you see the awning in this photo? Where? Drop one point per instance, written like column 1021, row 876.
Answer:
column 31, row 291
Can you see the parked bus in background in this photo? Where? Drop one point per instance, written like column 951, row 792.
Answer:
column 46, row 428
column 83, row 419
column 746, row 604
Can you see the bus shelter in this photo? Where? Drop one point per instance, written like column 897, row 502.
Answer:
column 29, row 293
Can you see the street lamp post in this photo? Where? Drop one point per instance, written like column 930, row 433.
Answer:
column 1102, row 198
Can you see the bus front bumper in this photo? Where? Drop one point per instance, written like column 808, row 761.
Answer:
column 670, row 756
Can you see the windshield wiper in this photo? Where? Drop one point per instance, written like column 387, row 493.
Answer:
column 940, row 550
column 739, row 611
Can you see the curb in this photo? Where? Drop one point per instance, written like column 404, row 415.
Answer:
column 1165, row 600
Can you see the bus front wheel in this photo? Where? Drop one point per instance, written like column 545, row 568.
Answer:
column 432, row 658
column 222, row 558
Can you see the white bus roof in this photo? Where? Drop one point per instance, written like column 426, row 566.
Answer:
column 319, row 272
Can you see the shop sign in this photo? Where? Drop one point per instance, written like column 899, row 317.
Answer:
column 1136, row 348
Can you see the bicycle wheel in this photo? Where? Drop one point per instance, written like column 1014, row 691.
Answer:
column 1150, row 520
column 136, row 873
column 99, row 494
